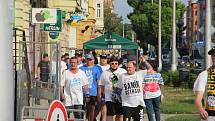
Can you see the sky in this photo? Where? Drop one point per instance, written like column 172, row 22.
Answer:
column 123, row 9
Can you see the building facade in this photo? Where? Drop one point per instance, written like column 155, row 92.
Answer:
column 109, row 4
column 99, row 15
column 86, row 27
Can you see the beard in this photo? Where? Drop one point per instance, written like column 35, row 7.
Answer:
column 112, row 69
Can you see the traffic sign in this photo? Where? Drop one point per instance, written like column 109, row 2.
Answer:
column 199, row 43
column 54, row 27
column 76, row 17
column 57, row 112
column 53, row 35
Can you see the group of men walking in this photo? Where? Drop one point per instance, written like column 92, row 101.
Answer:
column 114, row 91
column 106, row 88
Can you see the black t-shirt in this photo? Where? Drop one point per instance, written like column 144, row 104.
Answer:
column 44, row 68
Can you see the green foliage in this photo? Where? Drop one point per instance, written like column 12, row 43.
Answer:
column 165, row 76
column 144, row 20
column 192, row 79
column 170, row 77
column 174, row 75
column 173, row 78
column 112, row 22
column 184, row 118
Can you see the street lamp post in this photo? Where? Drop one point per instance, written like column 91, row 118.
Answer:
column 173, row 66
column 207, row 34
column 6, row 75
column 123, row 26
column 159, row 38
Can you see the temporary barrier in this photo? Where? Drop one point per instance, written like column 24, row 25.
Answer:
column 34, row 113
column 33, row 120
column 28, row 90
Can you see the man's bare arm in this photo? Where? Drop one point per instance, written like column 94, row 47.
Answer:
column 198, row 104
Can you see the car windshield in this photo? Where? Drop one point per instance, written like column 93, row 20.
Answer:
column 165, row 57
column 186, row 59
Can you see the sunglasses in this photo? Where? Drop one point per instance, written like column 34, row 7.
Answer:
column 114, row 63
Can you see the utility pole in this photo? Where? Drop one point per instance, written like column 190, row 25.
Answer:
column 159, row 38
column 173, row 66
column 6, row 75
column 123, row 26
column 207, row 34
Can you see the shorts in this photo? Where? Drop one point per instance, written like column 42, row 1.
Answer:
column 90, row 106
column 93, row 100
column 114, row 108
column 135, row 112
column 44, row 78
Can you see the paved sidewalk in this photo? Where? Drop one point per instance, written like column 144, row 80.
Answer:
column 163, row 116
column 166, row 116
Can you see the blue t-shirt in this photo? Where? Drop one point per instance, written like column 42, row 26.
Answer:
column 93, row 74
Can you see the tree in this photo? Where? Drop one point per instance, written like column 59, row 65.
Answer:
column 144, row 20
column 112, row 23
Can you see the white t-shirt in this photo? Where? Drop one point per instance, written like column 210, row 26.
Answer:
column 201, row 81
column 73, row 84
column 108, row 82
column 132, row 88
column 104, row 68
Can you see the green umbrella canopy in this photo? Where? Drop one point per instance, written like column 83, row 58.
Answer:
column 110, row 41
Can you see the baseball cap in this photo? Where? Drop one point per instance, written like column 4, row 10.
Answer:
column 103, row 56
column 89, row 56
column 211, row 51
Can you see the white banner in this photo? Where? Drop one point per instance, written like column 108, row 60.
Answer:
column 44, row 15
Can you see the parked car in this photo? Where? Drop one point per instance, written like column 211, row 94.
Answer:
column 185, row 62
column 166, row 59
column 198, row 63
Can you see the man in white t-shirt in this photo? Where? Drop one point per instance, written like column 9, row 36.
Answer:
column 103, row 63
column 110, row 80
column 204, row 89
column 72, row 83
column 131, row 86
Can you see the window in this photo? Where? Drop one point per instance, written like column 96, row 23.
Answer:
column 98, row 14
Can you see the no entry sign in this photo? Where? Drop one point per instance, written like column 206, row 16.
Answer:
column 57, row 112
